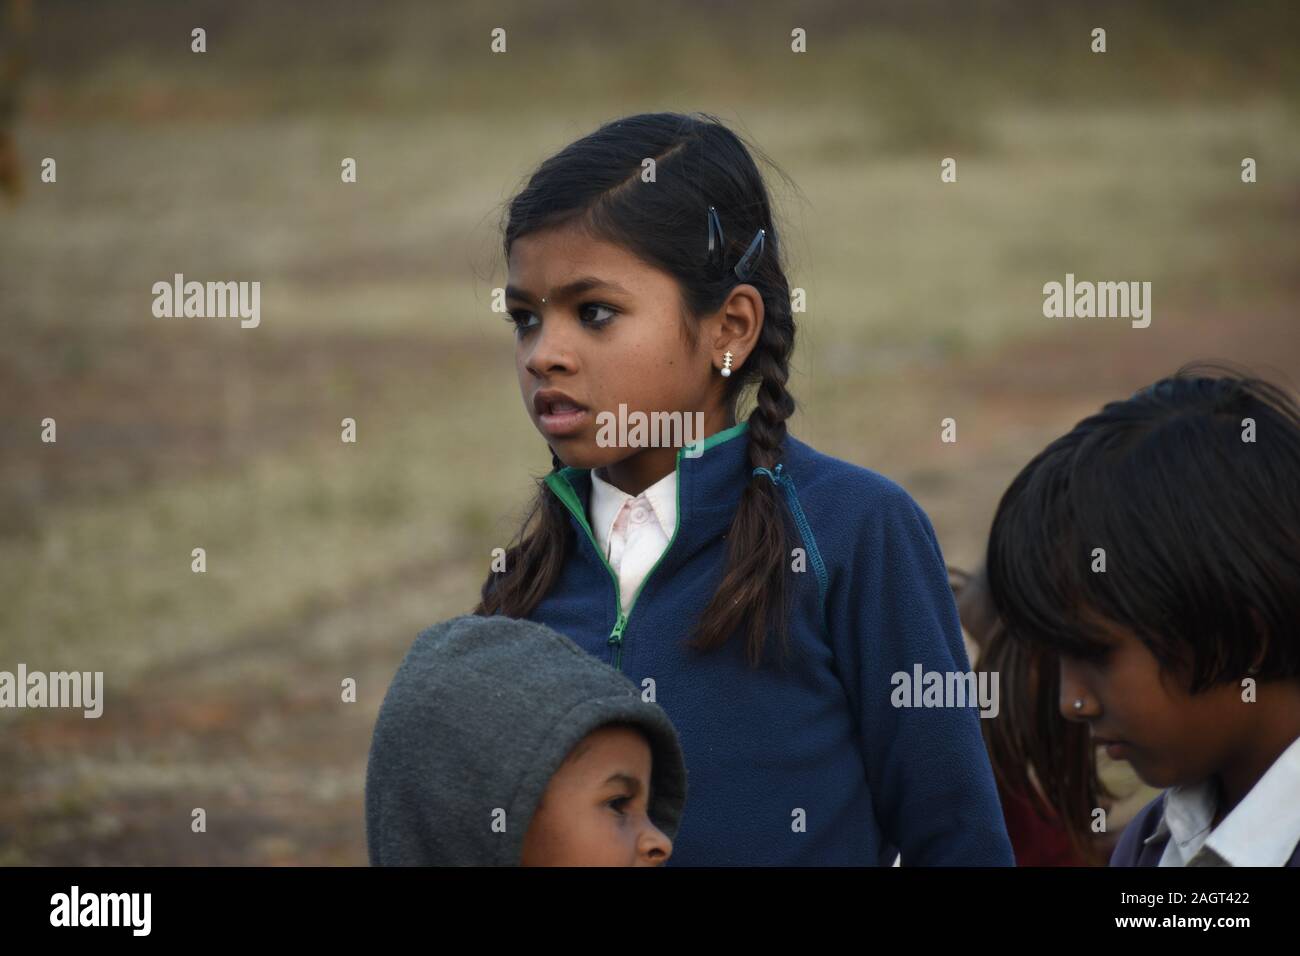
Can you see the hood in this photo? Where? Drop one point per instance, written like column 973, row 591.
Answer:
column 480, row 715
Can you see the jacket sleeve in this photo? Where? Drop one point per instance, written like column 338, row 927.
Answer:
column 890, row 608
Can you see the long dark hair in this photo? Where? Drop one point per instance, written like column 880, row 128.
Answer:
column 596, row 183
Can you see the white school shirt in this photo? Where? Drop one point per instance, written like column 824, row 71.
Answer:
column 633, row 532
column 1262, row 830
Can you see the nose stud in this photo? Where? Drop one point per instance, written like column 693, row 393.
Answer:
column 1078, row 703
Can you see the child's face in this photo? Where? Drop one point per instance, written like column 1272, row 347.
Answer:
column 622, row 341
column 594, row 811
column 1169, row 735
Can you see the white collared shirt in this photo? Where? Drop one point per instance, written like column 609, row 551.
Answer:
column 1262, row 830
column 633, row 532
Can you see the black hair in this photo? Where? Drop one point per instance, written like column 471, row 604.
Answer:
column 1200, row 526
column 1038, row 757
column 596, row 184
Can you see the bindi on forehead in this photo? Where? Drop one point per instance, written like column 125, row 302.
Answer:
column 585, row 265
column 569, row 290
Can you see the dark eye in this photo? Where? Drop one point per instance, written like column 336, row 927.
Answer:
column 517, row 318
column 597, row 305
column 618, row 803
column 520, row 318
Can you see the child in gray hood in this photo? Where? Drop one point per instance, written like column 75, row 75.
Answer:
column 500, row 742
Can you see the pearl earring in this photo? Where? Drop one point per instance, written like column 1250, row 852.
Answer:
column 726, row 365
column 1078, row 704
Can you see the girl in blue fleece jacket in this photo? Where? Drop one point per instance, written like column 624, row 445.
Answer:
column 789, row 611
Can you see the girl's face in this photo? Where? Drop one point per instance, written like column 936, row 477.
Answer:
column 611, row 331
column 1148, row 717
column 595, row 808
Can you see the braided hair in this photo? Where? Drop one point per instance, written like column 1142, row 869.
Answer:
column 596, row 182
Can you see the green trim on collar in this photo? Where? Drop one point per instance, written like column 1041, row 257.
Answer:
column 563, row 487
column 725, row 435
column 559, row 483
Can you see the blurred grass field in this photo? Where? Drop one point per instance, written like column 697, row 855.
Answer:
column 325, row 559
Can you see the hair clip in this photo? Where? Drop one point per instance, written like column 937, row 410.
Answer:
column 747, row 262
column 716, row 242
column 717, row 245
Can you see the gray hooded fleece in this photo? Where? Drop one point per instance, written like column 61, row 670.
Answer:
column 481, row 713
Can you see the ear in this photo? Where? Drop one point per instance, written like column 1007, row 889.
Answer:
column 739, row 323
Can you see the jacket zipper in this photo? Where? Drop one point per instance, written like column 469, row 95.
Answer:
column 615, row 639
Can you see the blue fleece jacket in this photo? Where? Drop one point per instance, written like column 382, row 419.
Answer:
column 806, row 763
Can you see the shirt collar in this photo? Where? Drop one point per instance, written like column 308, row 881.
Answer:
column 1262, row 830
column 608, row 500
column 709, row 487
column 1188, row 814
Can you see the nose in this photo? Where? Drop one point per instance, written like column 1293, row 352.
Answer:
column 654, row 847
column 550, row 350
column 1074, row 687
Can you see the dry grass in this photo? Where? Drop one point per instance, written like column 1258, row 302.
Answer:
column 325, row 559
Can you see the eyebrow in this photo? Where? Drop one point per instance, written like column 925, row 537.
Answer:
column 631, row 782
column 567, row 291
